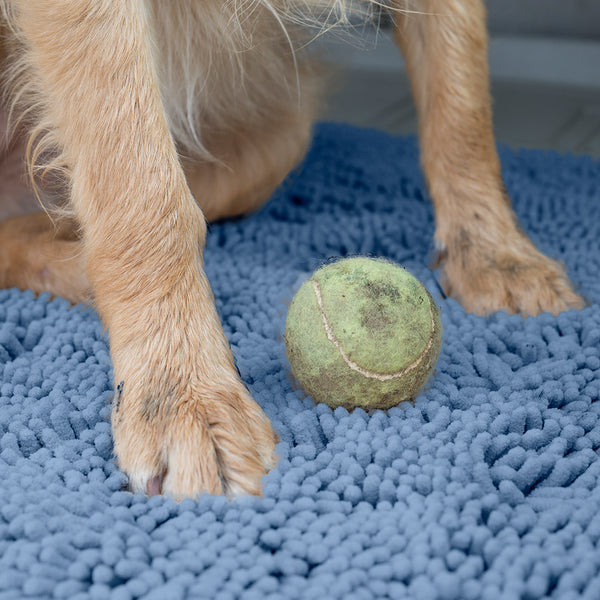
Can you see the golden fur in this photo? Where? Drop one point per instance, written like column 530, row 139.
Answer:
column 199, row 112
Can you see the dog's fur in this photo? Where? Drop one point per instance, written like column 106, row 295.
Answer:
column 157, row 115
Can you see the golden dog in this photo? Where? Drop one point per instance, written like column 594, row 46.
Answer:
column 158, row 116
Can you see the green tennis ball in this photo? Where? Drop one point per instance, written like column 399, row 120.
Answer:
column 362, row 332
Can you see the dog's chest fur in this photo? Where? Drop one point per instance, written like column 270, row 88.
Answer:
column 221, row 67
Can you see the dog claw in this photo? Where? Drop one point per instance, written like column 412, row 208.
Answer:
column 154, row 486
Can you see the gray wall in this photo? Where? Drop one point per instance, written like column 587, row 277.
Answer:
column 554, row 18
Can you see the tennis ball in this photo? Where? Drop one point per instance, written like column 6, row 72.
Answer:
column 362, row 332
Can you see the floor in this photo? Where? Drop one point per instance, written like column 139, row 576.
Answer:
column 546, row 93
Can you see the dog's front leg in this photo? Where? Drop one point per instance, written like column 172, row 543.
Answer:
column 489, row 263
column 183, row 421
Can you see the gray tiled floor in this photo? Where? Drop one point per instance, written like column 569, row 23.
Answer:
column 536, row 104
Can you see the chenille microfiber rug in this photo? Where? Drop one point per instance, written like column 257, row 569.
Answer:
column 487, row 487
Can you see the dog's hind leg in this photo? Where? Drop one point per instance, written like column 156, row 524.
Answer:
column 183, row 421
column 251, row 164
column 37, row 254
column 489, row 263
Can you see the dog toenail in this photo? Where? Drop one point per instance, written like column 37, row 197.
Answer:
column 153, row 487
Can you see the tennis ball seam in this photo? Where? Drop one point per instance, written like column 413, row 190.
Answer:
column 356, row 367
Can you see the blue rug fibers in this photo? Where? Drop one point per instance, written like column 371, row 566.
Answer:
column 487, row 487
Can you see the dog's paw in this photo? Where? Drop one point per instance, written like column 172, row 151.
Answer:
column 213, row 438
column 526, row 282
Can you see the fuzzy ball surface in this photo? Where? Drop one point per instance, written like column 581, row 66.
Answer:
column 362, row 332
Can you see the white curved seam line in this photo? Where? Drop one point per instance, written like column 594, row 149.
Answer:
column 351, row 363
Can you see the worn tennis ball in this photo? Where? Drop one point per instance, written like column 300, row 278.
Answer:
column 362, row 332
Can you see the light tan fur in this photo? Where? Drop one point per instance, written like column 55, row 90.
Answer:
column 489, row 263
column 160, row 114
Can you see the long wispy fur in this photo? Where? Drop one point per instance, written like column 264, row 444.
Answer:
column 218, row 64
column 26, row 107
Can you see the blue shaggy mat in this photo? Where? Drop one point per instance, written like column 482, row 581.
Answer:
column 488, row 487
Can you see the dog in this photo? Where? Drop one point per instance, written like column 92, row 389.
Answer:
column 155, row 117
